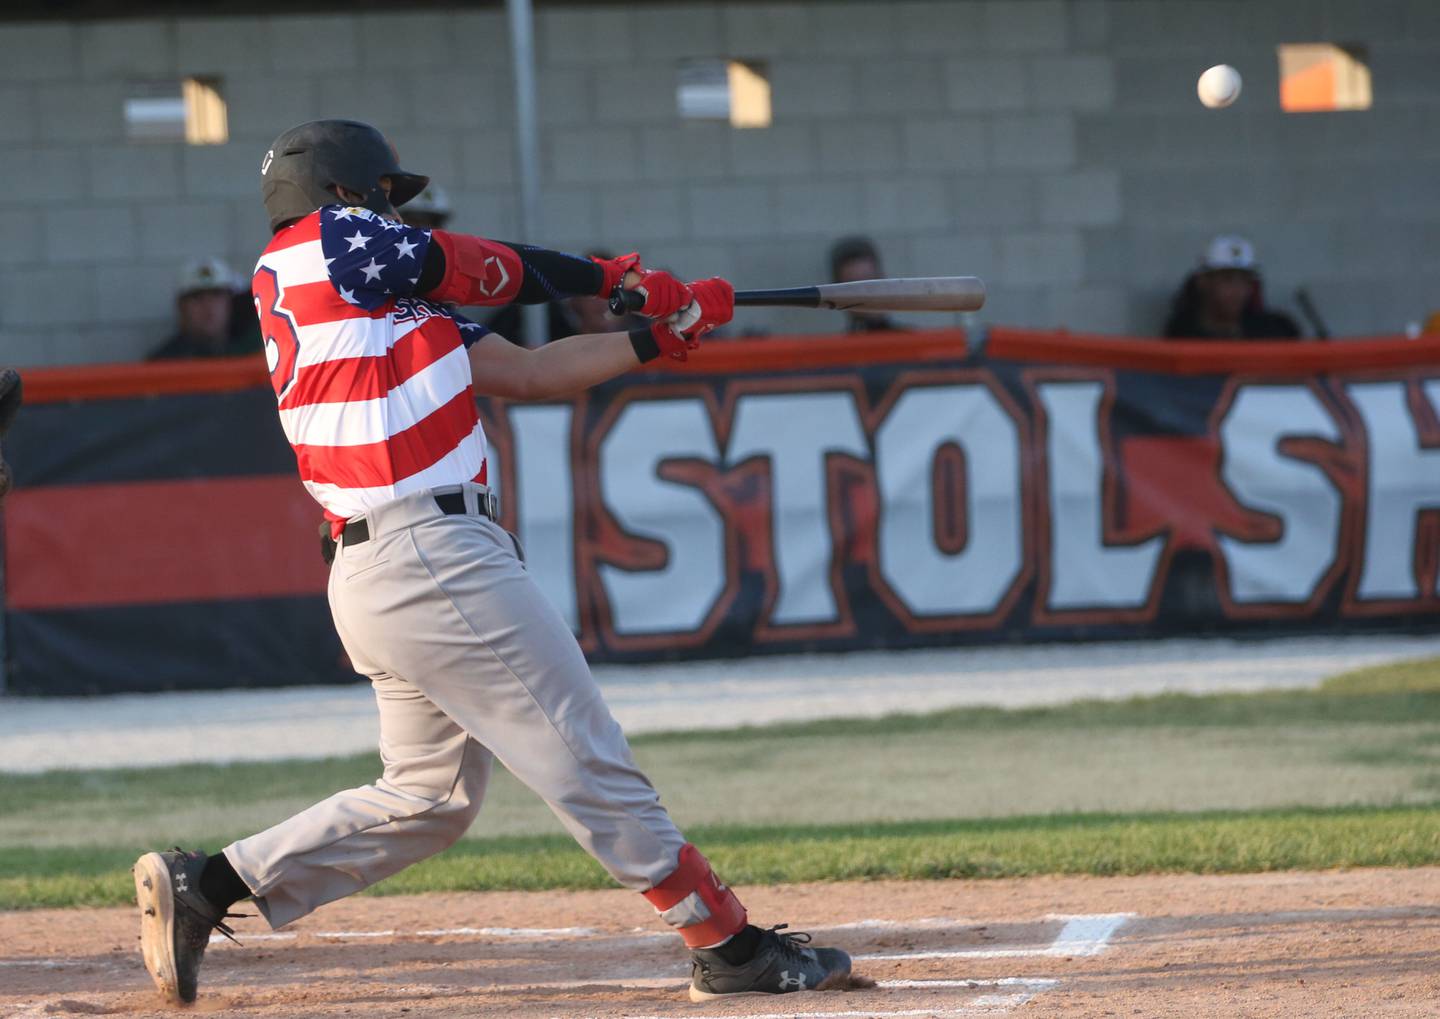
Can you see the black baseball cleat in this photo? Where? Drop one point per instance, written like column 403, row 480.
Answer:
column 175, row 920
column 782, row 964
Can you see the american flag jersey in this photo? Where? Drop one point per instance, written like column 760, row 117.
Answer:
column 373, row 383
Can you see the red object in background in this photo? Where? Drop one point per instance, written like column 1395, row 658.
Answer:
column 134, row 543
column 1172, row 484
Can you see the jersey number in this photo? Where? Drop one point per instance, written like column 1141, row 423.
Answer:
column 282, row 342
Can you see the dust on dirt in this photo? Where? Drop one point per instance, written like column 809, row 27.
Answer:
column 1347, row 943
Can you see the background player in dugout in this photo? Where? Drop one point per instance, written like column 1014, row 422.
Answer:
column 430, row 596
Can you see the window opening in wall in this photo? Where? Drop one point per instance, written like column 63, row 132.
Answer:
column 733, row 90
column 190, row 110
column 1320, row 76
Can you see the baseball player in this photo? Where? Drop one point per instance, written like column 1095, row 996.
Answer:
column 10, row 396
column 376, row 383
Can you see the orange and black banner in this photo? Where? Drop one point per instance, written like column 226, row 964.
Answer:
column 772, row 495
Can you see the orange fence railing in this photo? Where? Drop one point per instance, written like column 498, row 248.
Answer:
column 789, row 353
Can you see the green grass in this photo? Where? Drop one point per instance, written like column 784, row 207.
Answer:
column 1256, row 751
column 1346, row 775
column 1419, row 675
column 1009, row 847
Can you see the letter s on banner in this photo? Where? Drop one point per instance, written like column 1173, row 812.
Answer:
column 677, row 597
column 1261, row 478
column 926, row 579
column 545, row 500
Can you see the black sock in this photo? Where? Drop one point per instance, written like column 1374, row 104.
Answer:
column 220, row 884
column 740, row 949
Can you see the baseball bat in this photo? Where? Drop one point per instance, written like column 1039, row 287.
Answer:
column 924, row 293
column 1312, row 313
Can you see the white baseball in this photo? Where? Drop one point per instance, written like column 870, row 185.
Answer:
column 1219, row 86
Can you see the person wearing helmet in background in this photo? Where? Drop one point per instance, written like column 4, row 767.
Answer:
column 214, row 315
column 1223, row 299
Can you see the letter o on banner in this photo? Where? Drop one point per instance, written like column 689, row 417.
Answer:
column 928, row 580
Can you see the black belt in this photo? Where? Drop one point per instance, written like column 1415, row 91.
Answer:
column 450, row 503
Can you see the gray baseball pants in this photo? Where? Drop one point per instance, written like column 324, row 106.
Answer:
column 469, row 662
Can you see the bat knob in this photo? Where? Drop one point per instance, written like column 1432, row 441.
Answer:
column 623, row 302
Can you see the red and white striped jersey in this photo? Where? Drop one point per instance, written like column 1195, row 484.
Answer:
column 373, row 383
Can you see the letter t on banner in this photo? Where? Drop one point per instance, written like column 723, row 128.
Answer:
column 797, row 431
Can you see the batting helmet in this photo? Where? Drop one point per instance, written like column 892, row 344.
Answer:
column 307, row 161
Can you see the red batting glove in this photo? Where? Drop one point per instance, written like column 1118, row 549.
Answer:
column 713, row 305
column 615, row 270
column 664, row 294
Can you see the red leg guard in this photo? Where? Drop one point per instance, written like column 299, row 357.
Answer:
column 693, row 901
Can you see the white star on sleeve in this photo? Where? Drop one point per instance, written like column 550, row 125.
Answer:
column 358, row 241
column 371, row 271
column 405, row 249
column 348, row 295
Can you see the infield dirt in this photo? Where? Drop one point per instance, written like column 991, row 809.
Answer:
column 1353, row 943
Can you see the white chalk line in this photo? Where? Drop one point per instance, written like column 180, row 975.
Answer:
column 1000, row 1007
column 541, row 933
column 1084, row 935
column 221, row 939
column 632, row 983
column 570, row 933
column 1037, row 983
column 517, row 933
column 44, row 963
column 1088, row 934
column 1081, row 936
column 926, row 923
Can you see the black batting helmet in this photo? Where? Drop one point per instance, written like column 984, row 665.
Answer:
column 307, row 161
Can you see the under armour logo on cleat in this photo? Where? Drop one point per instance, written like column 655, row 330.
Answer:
column 789, row 983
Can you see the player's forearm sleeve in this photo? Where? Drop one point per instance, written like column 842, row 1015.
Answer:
column 554, row 275
column 472, row 270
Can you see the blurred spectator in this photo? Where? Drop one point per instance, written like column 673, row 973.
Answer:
column 430, row 209
column 216, row 317
column 566, row 318
column 855, row 258
column 1223, row 299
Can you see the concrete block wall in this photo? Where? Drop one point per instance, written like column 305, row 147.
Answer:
column 1053, row 146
